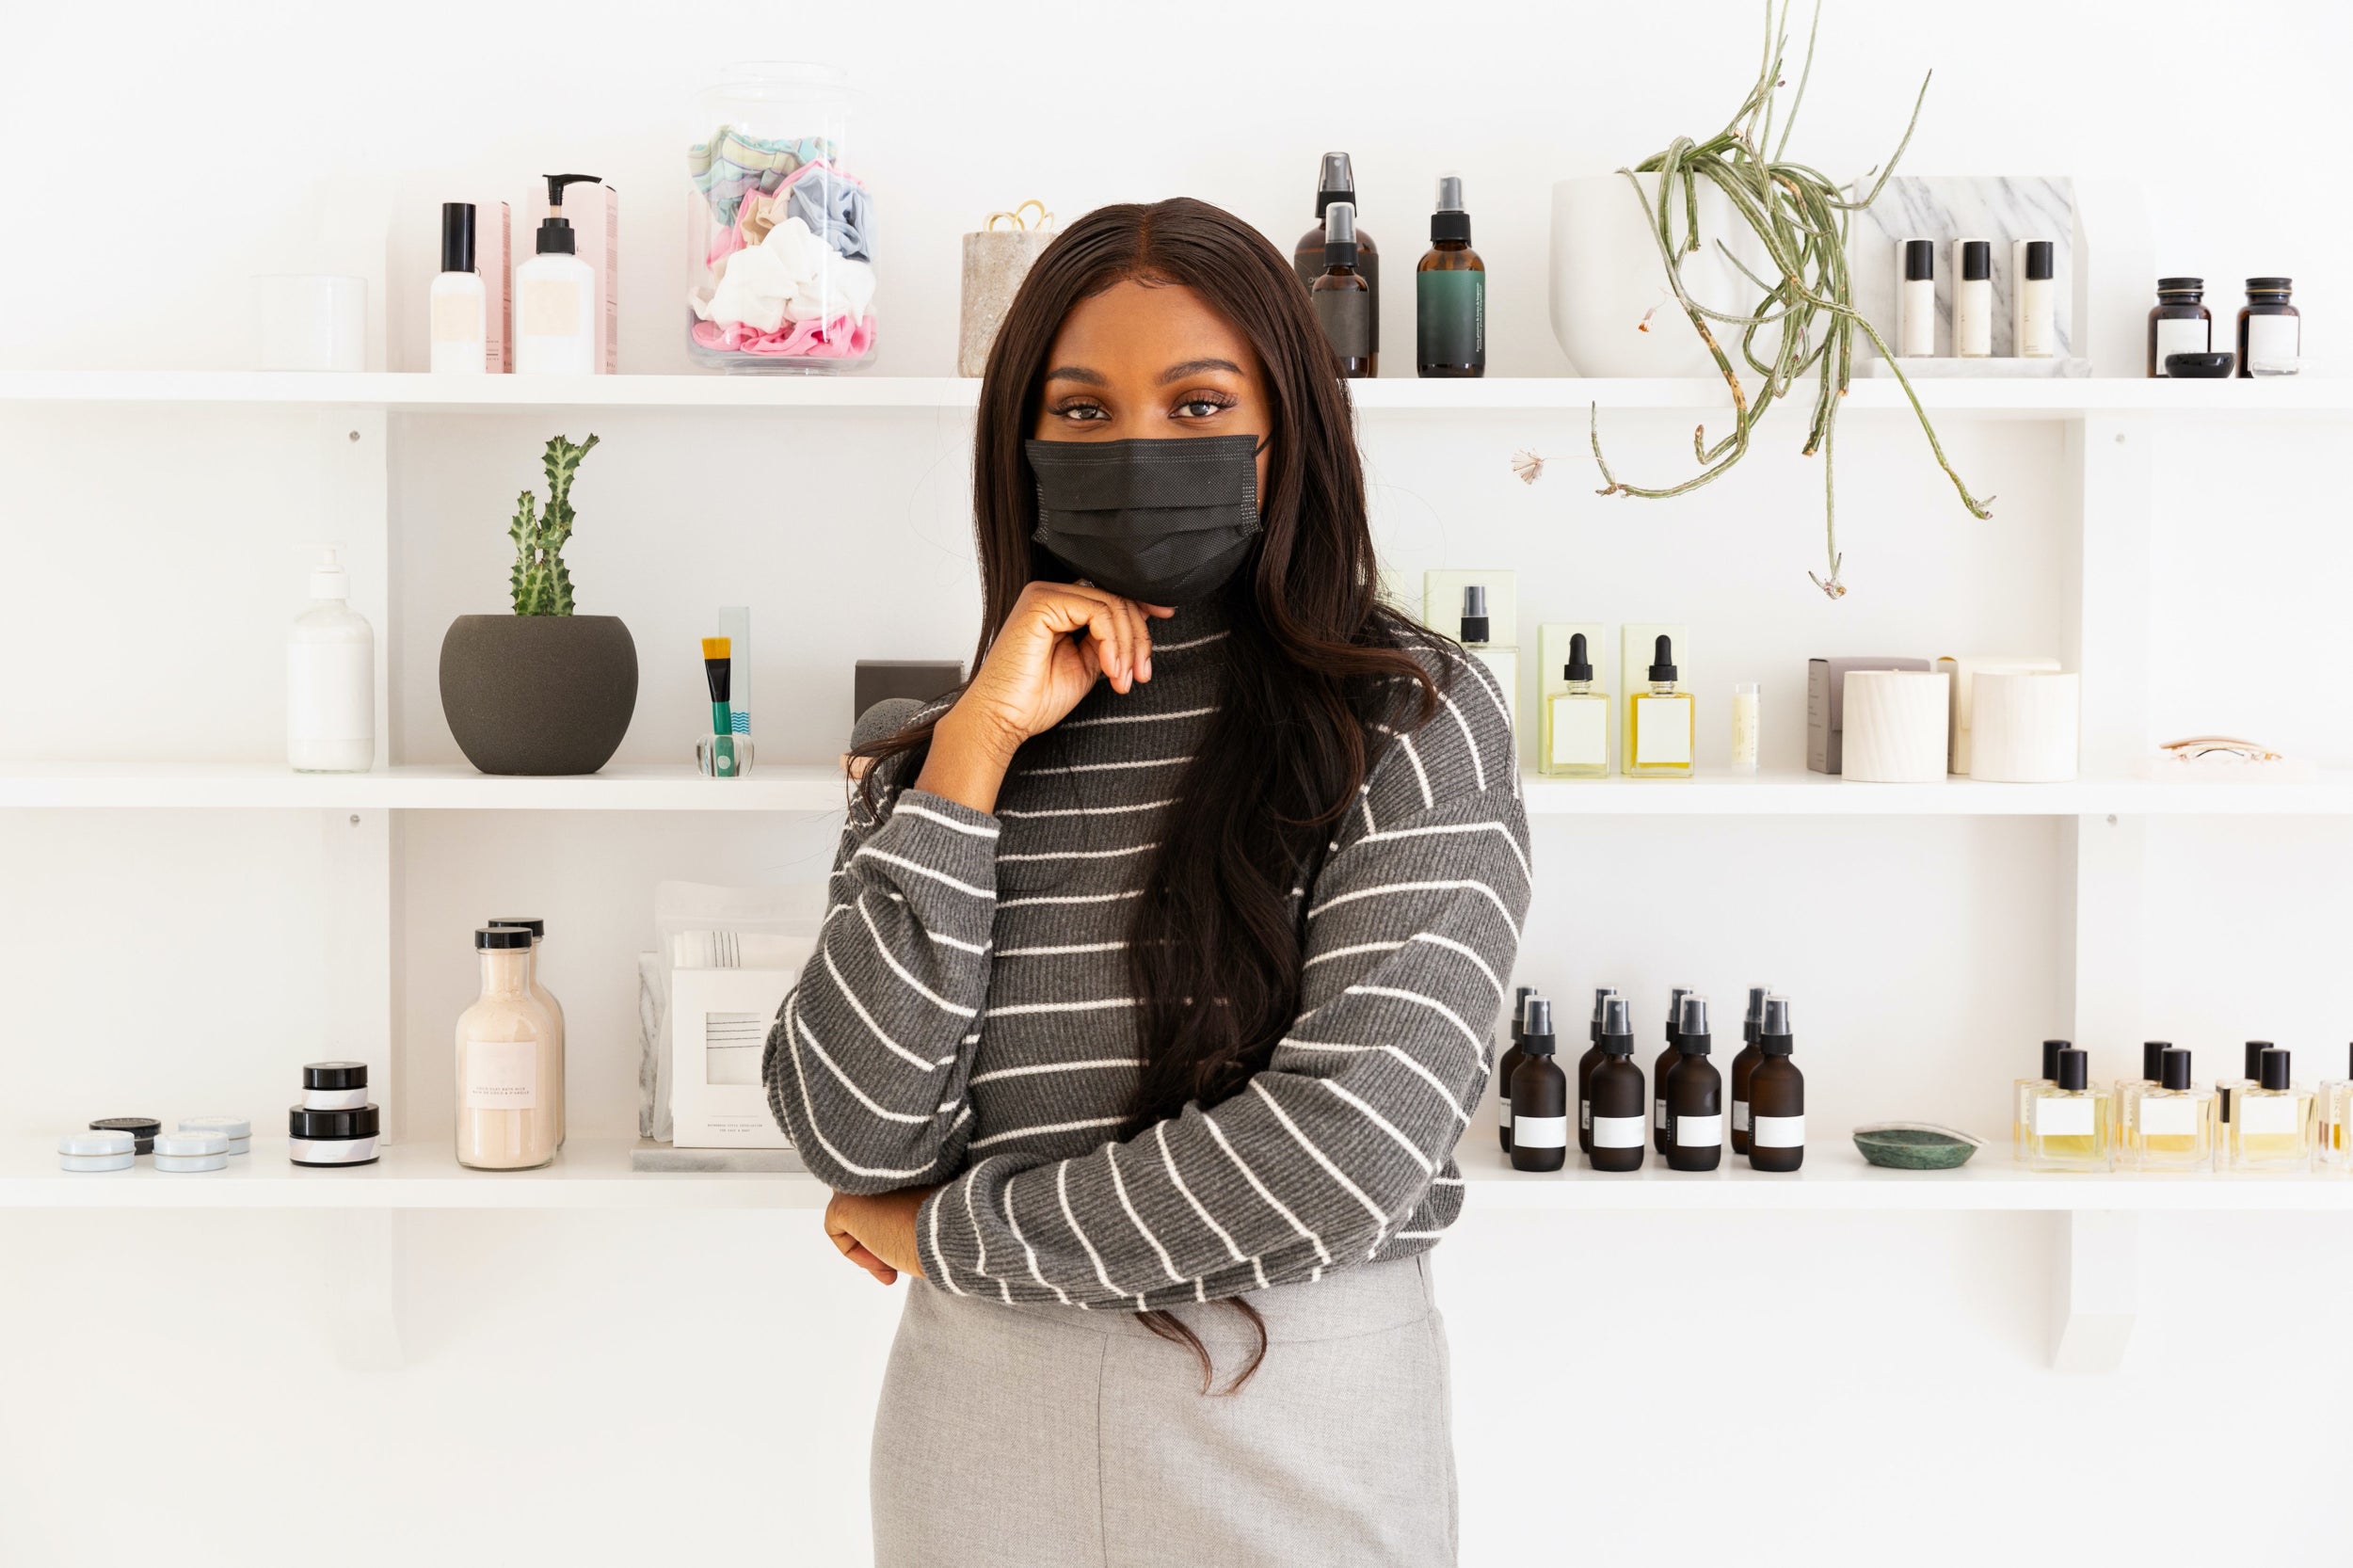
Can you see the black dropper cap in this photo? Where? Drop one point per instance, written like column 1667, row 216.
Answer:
column 1756, row 1015
column 1580, row 665
column 1772, row 1030
column 1601, row 995
column 2173, row 1071
column 499, row 938
column 538, row 929
column 2274, row 1070
column 2039, row 260
column 1691, row 1036
column 2255, row 1050
column 1336, row 183
column 2074, row 1070
column 1919, row 260
column 1539, row 1041
column 458, row 236
column 1675, row 1011
column 555, row 230
column 1977, row 261
column 1339, row 235
column 1449, row 222
column 2050, row 1057
column 1662, row 663
column 1474, row 613
column 2152, row 1057
column 1519, row 1010
column 1617, row 1026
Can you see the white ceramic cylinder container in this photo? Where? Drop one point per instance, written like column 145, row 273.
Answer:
column 1896, row 726
column 1612, row 308
column 2025, row 726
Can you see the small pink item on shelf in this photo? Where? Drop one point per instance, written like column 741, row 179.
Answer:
column 838, row 339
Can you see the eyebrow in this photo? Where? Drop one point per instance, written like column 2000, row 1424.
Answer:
column 1193, row 367
column 1078, row 373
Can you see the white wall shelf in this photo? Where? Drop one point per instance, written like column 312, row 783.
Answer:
column 413, row 390
column 818, row 787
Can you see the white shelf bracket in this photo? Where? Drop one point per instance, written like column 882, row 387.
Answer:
column 2098, row 1290
column 364, row 1263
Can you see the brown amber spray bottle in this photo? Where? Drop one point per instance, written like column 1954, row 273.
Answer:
column 1617, row 1093
column 1745, row 1064
column 1776, row 1095
column 1342, row 298
column 1585, row 1066
column 1540, row 1097
column 1505, row 1065
column 1695, row 1095
column 1664, row 1065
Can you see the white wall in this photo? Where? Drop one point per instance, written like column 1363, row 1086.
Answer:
column 702, row 1384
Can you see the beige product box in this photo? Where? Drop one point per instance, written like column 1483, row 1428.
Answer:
column 1964, row 669
column 1442, row 595
column 719, row 1023
column 594, row 212
column 1826, row 704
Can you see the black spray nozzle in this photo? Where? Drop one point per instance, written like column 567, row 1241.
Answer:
column 1772, row 1028
column 2173, row 1069
column 1617, row 1026
column 1449, row 221
column 1539, row 1041
column 1527, row 1003
column 2050, row 1057
column 1336, row 182
column 2273, row 1070
column 1662, row 663
column 1519, row 1010
column 2073, row 1071
column 1756, row 1015
column 2152, row 1058
column 1691, row 1036
column 1474, row 613
column 1601, row 995
column 1339, row 235
column 1580, row 664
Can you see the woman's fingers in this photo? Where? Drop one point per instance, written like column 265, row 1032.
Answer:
column 852, row 1248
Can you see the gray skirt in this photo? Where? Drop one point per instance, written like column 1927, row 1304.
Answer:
column 1042, row 1437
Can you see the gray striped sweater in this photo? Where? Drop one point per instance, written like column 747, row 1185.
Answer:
column 966, row 1019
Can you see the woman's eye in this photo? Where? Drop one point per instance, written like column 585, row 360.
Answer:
column 1082, row 411
column 1202, row 407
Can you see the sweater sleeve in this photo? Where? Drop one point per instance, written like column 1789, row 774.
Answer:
column 1412, row 928
column 867, row 1061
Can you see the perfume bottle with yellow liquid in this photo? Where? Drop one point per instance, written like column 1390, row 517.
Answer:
column 2071, row 1127
column 2333, row 1112
column 2022, row 1094
column 2129, row 1091
column 1574, row 729
column 1659, row 722
column 2173, row 1127
column 2272, row 1123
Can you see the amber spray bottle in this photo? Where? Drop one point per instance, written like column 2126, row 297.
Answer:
column 1585, row 1066
column 1450, row 294
column 1338, row 182
column 1776, row 1095
column 1663, row 1068
column 1745, row 1064
column 1540, row 1097
column 1695, row 1095
column 1342, row 298
column 1506, row 1064
column 1617, row 1093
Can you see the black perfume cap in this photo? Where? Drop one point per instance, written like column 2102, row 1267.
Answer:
column 1691, row 1036
column 2191, row 286
column 2173, row 1071
column 1674, row 1010
column 537, row 928
column 2038, row 260
column 335, row 1075
column 1474, row 613
column 2274, row 1073
column 2152, row 1057
column 2050, row 1057
column 303, row 1122
column 1336, row 182
column 1449, row 221
column 458, row 236
column 1580, row 664
column 1772, row 1030
column 1519, row 1010
column 2073, row 1071
column 1919, row 260
column 2255, row 1050
column 1662, row 661
column 1977, row 261
column 1539, row 1041
column 500, row 938
column 1617, row 1026
column 1339, row 235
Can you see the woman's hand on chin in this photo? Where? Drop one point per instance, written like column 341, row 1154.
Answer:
column 878, row 1233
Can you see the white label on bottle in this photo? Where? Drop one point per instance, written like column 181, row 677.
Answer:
column 502, row 1074
column 1585, row 1116
column 2062, row 1116
column 2180, row 335
column 1778, row 1132
column 1740, row 1115
column 2274, row 345
column 1617, row 1133
column 1662, row 730
column 2164, row 1116
column 1658, row 1114
column 1541, row 1132
column 1699, row 1132
column 456, row 317
column 1503, row 1112
column 331, row 691
column 1581, row 731
column 2264, row 1115
column 550, row 307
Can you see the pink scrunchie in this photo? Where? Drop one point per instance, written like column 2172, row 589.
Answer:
column 837, row 338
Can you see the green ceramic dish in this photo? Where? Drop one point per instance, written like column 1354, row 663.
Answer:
column 1916, row 1146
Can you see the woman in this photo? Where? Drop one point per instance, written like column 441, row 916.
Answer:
column 1155, row 989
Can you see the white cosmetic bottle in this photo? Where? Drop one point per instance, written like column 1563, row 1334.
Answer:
column 1973, row 298
column 2033, row 310
column 457, row 306
column 330, row 679
column 1915, row 299
column 556, row 302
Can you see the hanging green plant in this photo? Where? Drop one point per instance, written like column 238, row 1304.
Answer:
column 1801, row 220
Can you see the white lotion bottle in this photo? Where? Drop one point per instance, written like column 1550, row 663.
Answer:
column 555, row 305
column 2034, row 330
column 1973, row 298
column 330, row 679
column 458, row 307
column 1915, row 299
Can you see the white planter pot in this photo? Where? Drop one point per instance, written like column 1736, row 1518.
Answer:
column 1609, row 281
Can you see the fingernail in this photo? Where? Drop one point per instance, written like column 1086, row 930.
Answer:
column 1148, row 669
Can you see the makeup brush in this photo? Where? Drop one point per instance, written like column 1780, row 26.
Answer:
column 717, row 665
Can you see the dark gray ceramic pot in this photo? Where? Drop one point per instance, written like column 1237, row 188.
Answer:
column 538, row 694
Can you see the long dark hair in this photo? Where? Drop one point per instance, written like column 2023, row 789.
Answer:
column 1313, row 658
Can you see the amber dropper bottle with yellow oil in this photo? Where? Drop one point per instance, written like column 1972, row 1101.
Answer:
column 1659, row 722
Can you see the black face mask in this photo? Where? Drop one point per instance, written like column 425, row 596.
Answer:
column 1165, row 521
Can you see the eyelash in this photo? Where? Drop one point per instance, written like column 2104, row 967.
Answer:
column 1082, row 411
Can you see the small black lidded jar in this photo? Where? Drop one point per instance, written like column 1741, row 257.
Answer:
column 2180, row 324
column 2270, row 331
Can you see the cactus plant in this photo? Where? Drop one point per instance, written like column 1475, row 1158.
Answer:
column 541, row 583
